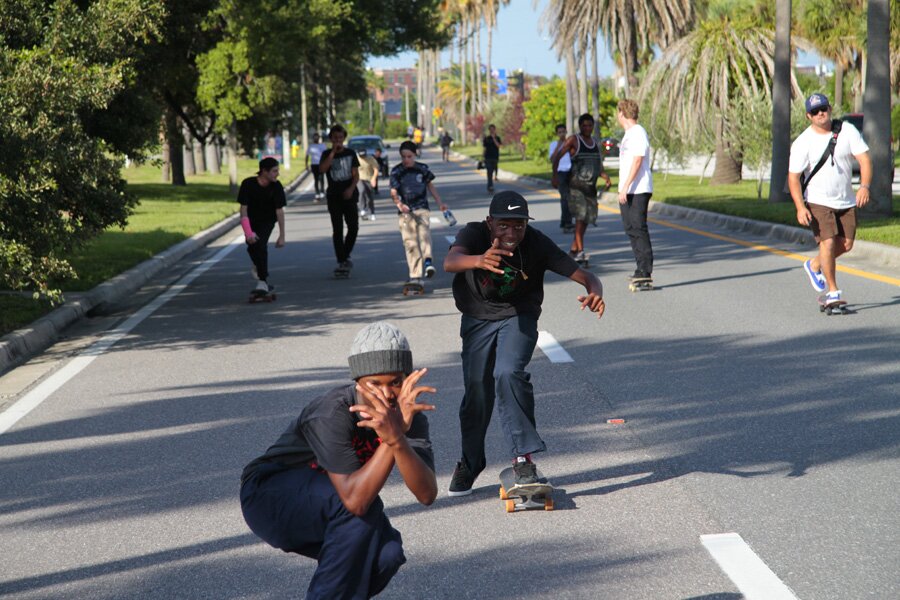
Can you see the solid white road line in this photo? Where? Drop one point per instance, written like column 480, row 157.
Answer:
column 551, row 348
column 749, row 573
column 33, row 399
column 435, row 220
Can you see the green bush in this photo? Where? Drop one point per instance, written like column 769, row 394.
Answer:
column 395, row 129
column 543, row 112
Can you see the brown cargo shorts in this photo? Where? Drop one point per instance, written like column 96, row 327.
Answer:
column 829, row 223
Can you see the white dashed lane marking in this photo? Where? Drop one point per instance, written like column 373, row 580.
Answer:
column 753, row 578
column 551, row 348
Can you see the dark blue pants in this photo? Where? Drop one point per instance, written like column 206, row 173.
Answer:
column 259, row 250
column 491, row 165
column 494, row 357
column 299, row 511
column 634, row 219
column 342, row 211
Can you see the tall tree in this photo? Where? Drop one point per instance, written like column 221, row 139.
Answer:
column 781, row 103
column 696, row 79
column 632, row 27
column 877, row 107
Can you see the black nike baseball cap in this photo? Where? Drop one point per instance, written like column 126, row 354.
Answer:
column 509, row 205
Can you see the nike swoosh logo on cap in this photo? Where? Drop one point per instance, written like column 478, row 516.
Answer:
column 508, row 207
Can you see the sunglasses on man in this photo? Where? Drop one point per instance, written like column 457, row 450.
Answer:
column 816, row 111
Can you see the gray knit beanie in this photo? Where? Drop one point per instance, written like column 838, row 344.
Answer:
column 380, row 348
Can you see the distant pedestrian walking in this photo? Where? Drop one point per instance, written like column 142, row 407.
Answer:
column 819, row 178
column 368, row 178
column 562, row 179
column 341, row 165
column 315, row 491
column 262, row 201
column 491, row 144
column 587, row 167
column 635, row 187
column 411, row 183
column 446, row 141
column 312, row 160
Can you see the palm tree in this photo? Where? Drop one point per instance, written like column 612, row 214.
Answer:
column 877, row 105
column 631, row 27
column 696, row 79
column 781, row 103
column 833, row 27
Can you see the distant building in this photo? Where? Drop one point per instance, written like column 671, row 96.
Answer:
column 396, row 82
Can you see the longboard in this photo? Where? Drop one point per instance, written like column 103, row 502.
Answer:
column 640, row 284
column 525, row 497
column 261, row 297
column 413, row 289
column 342, row 273
column 838, row 307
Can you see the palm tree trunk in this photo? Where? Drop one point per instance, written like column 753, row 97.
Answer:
column 489, row 73
column 728, row 163
column 839, row 85
column 478, row 86
column 877, row 106
column 583, row 82
column 462, row 81
column 781, row 103
column 304, row 128
column 571, row 90
column 595, row 82
column 630, row 51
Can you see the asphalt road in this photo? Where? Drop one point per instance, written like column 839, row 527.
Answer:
column 747, row 411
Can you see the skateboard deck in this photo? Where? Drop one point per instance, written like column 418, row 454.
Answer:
column 413, row 289
column 342, row 273
column 261, row 297
column 640, row 284
column 833, row 308
column 525, row 497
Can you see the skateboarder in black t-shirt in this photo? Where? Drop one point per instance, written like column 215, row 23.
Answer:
column 262, row 202
column 315, row 491
column 341, row 166
column 499, row 288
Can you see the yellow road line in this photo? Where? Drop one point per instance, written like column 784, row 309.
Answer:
column 751, row 245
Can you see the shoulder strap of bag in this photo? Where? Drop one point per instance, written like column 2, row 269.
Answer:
column 829, row 152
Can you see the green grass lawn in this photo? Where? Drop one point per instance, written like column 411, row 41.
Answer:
column 738, row 199
column 165, row 215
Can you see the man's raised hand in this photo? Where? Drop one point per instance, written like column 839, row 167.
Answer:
column 491, row 259
column 594, row 302
column 409, row 394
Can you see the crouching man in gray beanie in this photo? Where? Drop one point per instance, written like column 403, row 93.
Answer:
column 315, row 491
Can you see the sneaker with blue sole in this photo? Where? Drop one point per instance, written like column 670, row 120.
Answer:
column 815, row 278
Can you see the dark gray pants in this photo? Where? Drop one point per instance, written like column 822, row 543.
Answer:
column 634, row 218
column 491, row 165
column 494, row 357
column 565, row 217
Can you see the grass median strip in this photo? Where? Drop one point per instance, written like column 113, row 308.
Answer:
column 165, row 215
column 739, row 199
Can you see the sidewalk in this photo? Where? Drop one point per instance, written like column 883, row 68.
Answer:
column 20, row 345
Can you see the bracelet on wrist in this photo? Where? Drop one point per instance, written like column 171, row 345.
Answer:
column 864, row 186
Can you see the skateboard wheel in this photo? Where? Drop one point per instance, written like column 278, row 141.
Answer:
column 510, row 506
column 548, row 504
column 503, row 495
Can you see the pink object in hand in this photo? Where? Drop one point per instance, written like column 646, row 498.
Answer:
column 248, row 231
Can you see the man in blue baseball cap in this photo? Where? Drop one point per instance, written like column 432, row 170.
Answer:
column 499, row 288
column 819, row 179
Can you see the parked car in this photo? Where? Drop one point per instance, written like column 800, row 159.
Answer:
column 370, row 143
column 856, row 119
column 609, row 146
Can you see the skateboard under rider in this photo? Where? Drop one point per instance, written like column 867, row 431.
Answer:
column 413, row 288
column 525, row 497
column 260, row 296
column 640, row 284
column 835, row 307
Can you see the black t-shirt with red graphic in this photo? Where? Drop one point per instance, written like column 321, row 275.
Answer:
column 325, row 436
column 492, row 297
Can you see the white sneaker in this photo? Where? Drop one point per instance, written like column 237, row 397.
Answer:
column 262, row 287
column 371, row 217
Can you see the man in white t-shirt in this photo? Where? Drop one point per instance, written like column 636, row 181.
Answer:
column 313, row 157
column 828, row 204
column 562, row 175
column 635, row 186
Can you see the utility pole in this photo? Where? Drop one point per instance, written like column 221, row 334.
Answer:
column 781, row 103
column 304, row 143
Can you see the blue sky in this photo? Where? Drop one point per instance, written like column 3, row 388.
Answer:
column 519, row 43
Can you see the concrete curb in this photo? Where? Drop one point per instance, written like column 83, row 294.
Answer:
column 20, row 345
column 881, row 254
